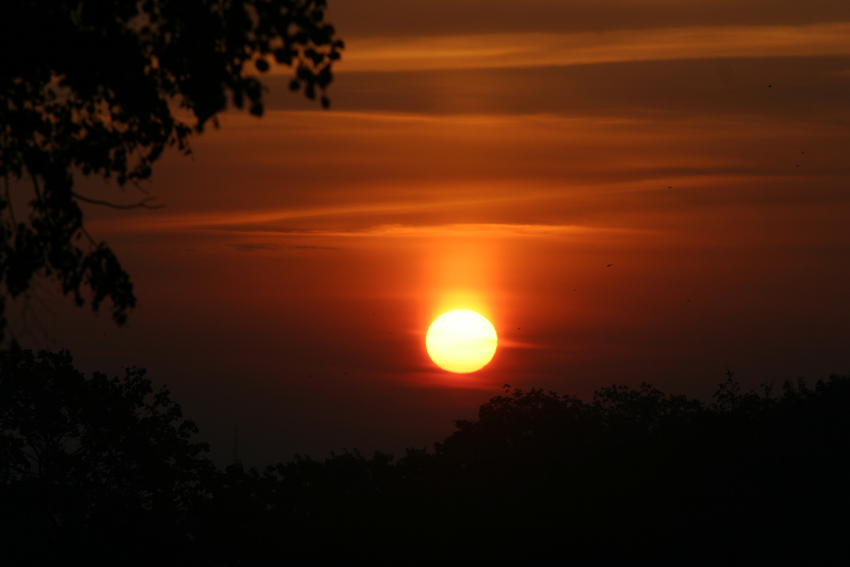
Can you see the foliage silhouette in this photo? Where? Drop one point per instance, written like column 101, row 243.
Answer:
column 635, row 475
column 639, row 474
column 93, row 467
column 99, row 87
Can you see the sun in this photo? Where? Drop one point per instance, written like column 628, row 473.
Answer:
column 461, row 341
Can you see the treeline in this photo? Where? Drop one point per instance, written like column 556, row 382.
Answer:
column 105, row 470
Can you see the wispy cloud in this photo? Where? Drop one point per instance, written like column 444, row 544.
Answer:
column 255, row 220
column 254, row 247
column 268, row 246
column 254, row 227
column 310, row 247
column 549, row 49
column 473, row 230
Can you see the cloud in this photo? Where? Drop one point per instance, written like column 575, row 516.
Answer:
column 254, row 247
column 309, row 247
column 405, row 18
column 249, row 247
column 549, row 49
column 256, row 225
column 267, row 220
column 474, row 230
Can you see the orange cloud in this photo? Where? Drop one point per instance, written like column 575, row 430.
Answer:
column 550, row 49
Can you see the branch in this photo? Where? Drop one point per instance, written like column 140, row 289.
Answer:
column 9, row 200
column 92, row 241
column 143, row 204
column 139, row 187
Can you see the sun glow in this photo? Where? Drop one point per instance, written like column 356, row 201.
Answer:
column 461, row 341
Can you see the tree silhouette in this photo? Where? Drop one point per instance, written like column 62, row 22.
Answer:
column 103, row 87
column 635, row 475
column 104, row 469
column 92, row 467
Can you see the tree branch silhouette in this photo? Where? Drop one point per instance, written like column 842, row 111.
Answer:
column 143, row 204
column 103, row 88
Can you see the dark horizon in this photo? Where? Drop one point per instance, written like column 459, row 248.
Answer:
column 96, row 470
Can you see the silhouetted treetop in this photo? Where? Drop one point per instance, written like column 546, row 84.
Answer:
column 102, row 87
column 99, row 468
column 545, row 422
column 90, row 460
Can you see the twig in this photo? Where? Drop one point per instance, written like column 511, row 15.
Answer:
column 9, row 200
column 92, row 241
column 35, row 185
column 143, row 204
column 140, row 188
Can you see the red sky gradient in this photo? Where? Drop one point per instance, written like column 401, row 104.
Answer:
column 495, row 156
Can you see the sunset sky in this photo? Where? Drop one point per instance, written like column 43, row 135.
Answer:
column 496, row 156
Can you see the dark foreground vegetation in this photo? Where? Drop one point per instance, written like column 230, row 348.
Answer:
column 104, row 471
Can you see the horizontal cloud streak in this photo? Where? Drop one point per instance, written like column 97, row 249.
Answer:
column 548, row 49
column 256, row 224
column 405, row 18
column 466, row 230
column 223, row 220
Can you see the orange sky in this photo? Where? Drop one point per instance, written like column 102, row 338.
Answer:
column 496, row 156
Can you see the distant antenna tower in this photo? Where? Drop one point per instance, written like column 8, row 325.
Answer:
column 235, row 446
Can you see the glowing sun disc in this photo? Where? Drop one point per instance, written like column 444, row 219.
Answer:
column 461, row 341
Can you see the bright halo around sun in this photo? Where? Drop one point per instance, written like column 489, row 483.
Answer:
column 461, row 341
